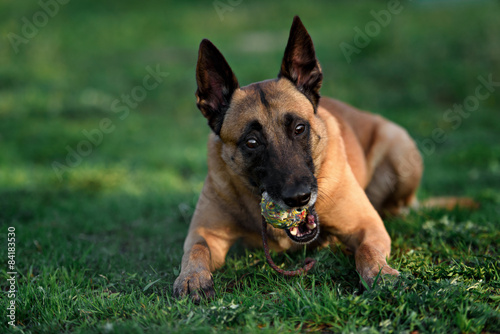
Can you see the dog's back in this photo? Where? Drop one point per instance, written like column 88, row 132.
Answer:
column 382, row 156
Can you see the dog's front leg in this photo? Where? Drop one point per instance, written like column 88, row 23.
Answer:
column 371, row 251
column 202, row 255
column 209, row 239
column 372, row 246
column 356, row 223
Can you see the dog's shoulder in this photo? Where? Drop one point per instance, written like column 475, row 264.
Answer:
column 362, row 124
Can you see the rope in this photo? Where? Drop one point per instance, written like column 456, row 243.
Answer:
column 308, row 263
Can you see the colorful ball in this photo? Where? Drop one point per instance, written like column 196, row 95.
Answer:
column 279, row 217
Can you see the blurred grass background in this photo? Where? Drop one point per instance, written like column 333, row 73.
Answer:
column 65, row 79
column 126, row 207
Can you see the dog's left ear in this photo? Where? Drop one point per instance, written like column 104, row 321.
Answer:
column 300, row 65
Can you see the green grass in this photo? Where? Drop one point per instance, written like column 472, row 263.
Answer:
column 99, row 250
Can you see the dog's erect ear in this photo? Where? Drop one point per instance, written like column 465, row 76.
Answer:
column 216, row 84
column 300, row 65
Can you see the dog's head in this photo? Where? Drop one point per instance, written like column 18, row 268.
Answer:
column 270, row 132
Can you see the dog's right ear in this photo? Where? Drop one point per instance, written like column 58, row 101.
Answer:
column 216, row 84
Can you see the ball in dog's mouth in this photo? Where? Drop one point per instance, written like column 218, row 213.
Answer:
column 300, row 224
column 306, row 231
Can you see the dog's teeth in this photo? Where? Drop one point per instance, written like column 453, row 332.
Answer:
column 294, row 231
column 311, row 225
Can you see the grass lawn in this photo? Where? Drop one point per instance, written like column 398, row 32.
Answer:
column 99, row 238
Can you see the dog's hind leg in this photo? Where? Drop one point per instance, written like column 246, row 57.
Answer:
column 382, row 186
column 397, row 175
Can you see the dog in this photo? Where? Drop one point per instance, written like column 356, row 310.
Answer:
column 279, row 138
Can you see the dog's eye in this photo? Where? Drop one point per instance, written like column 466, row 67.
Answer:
column 252, row 143
column 299, row 129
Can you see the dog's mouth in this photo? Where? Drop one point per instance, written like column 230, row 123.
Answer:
column 307, row 231
column 300, row 224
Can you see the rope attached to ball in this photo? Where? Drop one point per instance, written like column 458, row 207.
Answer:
column 308, row 263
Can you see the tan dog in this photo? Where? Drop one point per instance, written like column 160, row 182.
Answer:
column 277, row 137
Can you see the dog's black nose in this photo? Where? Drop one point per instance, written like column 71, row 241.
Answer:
column 297, row 199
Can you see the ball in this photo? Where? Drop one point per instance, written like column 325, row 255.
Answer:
column 279, row 217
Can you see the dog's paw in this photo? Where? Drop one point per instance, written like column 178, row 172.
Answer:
column 196, row 284
column 373, row 278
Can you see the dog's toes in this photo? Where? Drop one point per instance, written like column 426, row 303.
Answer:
column 207, row 293
column 386, row 276
column 197, row 285
column 180, row 288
